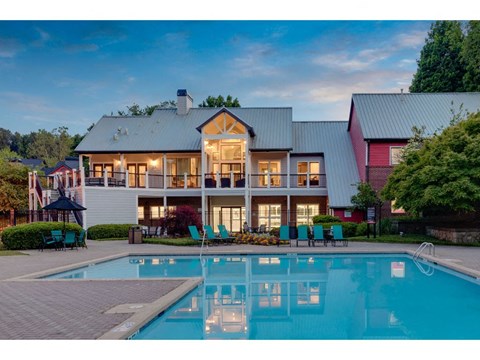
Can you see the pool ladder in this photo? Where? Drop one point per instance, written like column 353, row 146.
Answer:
column 423, row 246
column 203, row 243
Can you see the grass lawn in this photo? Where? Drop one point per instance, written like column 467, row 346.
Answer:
column 4, row 252
column 187, row 241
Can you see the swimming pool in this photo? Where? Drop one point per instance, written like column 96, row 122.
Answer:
column 306, row 297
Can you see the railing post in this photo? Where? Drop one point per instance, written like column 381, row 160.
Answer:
column 105, row 177
column 184, row 180
column 127, row 185
column 146, row 180
column 308, row 179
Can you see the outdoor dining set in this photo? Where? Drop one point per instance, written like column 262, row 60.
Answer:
column 61, row 240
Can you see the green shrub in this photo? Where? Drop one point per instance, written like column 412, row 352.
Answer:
column 386, row 226
column 322, row 219
column 349, row 228
column 29, row 236
column 275, row 231
column 109, row 231
column 361, row 229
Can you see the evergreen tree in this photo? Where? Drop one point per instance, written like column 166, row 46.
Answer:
column 471, row 57
column 440, row 67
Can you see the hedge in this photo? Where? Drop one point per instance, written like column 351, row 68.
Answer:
column 109, row 231
column 322, row 219
column 349, row 228
column 29, row 236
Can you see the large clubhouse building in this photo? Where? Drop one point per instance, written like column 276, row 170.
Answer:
column 237, row 165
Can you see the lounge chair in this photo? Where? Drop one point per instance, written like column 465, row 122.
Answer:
column 337, row 231
column 318, row 235
column 284, row 234
column 211, row 236
column 194, row 233
column 262, row 229
column 224, row 235
column 82, row 239
column 48, row 241
column 153, row 231
column 70, row 240
column 303, row 234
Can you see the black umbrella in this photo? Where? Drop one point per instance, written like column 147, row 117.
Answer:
column 64, row 204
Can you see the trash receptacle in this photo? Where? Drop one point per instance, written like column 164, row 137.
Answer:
column 292, row 230
column 135, row 235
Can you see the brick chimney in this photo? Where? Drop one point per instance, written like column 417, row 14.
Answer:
column 184, row 102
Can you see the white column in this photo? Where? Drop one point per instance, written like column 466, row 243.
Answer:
column 105, row 177
column 185, row 180
column 74, row 177
column 288, row 208
column 231, row 179
column 127, row 185
column 164, row 171
column 288, row 170
column 146, row 180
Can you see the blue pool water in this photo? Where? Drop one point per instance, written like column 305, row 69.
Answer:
column 306, row 297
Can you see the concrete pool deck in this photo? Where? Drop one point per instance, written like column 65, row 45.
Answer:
column 113, row 309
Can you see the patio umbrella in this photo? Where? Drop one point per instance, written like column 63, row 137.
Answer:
column 64, row 204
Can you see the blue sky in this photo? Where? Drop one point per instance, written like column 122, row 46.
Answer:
column 70, row 73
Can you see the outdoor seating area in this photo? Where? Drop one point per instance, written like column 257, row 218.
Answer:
column 61, row 240
column 210, row 237
column 310, row 235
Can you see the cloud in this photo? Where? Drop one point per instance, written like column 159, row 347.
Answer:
column 29, row 103
column 9, row 48
column 413, row 39
column 44, row 37
column 255, row 61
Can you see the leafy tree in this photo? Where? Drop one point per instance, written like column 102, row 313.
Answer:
column 366, row 197
column 220, row 101
column 440, row 67
column 471, row 57
column 13, row 182
column 51, row 146
column 136, row 110
column 6, row 138
column 443, row 175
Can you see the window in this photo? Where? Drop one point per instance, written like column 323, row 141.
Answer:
column 156, row 212
column 269, row 215
column 347, row 214
column 305, row 213
column 98, row 170
column 396, row 211
column 308, row 170
column 141, row 213
column 272, row 167
column 395, row 155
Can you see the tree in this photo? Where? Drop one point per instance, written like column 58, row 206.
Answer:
column 443, row 175
column 13, row 182
column 366, row 197
column 6, row 138
column 51, row 146
column 471, row 57
column 136, row 110
column 440, row 67
column 219, row 101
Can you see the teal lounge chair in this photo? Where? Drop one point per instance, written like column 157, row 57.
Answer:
column 318, row 235
column 337, row 231
column 194, row 233
column 224, row 235
column 57, row 235
column 70, row 240
column 211, row 236
column 284, row 234
column 303, row 234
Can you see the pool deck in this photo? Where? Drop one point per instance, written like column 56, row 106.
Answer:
column 113, row 309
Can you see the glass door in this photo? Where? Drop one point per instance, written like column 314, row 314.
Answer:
column 232, row 217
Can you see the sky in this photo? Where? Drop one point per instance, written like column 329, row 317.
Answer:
column 70, row 73
column 62, row 67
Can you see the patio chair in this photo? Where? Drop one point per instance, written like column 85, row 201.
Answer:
column 262, row 229
column 303, row 234
column 318, row 235
column 211, row 234
column 47, row 241
column 57, row 236
column 82, row 239
column 70, row 240
column 153, row 231
column 196, row 235
column 224, row 235
column 284, row 234
column 337, row 231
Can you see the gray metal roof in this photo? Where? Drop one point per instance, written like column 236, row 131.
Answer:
column 392, row 116
column 165, row 131
column 332, row 139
